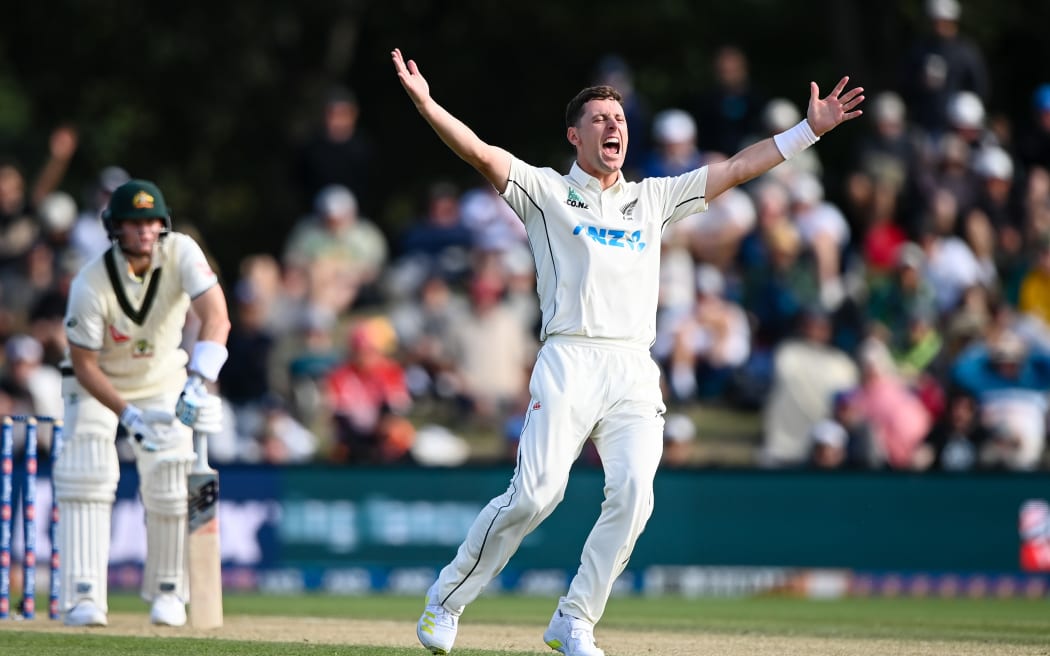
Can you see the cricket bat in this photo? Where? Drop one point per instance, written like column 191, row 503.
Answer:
column 204, row 556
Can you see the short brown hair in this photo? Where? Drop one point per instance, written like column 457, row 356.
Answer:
column 574, row 110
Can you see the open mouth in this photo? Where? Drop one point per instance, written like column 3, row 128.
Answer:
column 611, row 146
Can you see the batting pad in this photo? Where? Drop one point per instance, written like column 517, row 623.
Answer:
column 88, row 469
column 164, row 494
column 83, row 539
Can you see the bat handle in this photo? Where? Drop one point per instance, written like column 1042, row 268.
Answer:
column 200, row 447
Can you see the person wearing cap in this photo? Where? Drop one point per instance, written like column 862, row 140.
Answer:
column 126, row 369
column 340, row 251
column 939, row 64
column 882, row 187
column 1010, row 379
column 31, row 386
column 674, row 144
column 891, row 303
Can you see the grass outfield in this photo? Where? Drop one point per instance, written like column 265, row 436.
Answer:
column 384, row 626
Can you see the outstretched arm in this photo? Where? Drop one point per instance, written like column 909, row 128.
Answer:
column 823, row 115
column 492, row 162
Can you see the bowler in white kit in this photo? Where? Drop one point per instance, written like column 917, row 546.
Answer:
column 124, row 324
column 595, row 238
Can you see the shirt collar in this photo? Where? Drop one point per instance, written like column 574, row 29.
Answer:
column 125, row 267
column 584, row 179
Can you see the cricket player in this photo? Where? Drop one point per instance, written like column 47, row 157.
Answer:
column 595, row 238
column 124, row 323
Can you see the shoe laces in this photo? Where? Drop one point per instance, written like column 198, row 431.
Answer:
column 442, row 616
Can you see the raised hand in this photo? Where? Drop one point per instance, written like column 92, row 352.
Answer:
column 411, row 79
column 837, row 107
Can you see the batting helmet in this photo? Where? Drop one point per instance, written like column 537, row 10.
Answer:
column 135, row 200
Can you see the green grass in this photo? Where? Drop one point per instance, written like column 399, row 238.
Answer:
column 998, row 622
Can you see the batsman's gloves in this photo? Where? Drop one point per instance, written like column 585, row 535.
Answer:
column 198, row 409
column 151, row 428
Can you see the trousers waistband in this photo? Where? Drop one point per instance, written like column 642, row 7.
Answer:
column 598, row 342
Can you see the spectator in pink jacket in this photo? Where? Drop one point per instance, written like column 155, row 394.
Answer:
column 898, row 420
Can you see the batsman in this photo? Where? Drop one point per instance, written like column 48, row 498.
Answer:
column 127, row 374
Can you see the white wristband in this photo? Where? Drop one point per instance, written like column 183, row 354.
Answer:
column 208, row 358
column 794, row 140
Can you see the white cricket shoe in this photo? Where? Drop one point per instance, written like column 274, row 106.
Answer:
column 437, row 627
column 168, row 610
column 85, row 613
column 571, row 636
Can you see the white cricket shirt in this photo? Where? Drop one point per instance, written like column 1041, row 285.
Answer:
column 136, row 325
column 598, row 252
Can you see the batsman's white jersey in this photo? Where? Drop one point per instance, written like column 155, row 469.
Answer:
column 136, row 324
column 597, row 258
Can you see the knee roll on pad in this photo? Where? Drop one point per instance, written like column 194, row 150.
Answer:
column 163, row 484
column 87, row 470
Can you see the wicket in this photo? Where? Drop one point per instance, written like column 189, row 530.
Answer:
column 28, row 605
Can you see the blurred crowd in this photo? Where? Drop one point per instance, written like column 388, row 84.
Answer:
column 892, row 313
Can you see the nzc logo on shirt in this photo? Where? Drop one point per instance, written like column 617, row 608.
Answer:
column 612, row 237
column 574, row 200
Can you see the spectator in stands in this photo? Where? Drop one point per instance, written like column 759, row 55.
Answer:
column 494, row 226
column 614, row 70
column 679, row 441
column 19, row 228
column 366, row 395
column 940, row 64
column 1035, row 286
column 995, row 226
column 714, row 236
column 779, row 277
column 824, row 232
column 730, row 110
column 342, row 252
column 778, row 115
column 893, row 303
column 282, row 439
column 898, row 419
column 699, row 350
column 439, row 236
column 957, row 439
column 424, row 324
column 244, row 381
column 886, row 160
column 89, row 237
column 490, row 352
column 31, row 386
column 339, row 153
column 830, row 445
column 807, row 371
column 1010, row 381
column 674, row 148
column 951, row 266
column 1034, row 143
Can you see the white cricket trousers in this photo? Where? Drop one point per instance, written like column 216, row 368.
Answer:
column 580, row 388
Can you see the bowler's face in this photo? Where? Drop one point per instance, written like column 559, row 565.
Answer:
column 600, row 137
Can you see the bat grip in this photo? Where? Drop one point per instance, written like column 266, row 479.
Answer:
column 200, row 448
